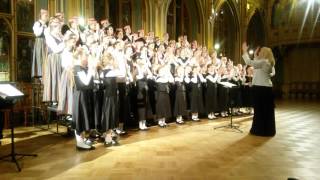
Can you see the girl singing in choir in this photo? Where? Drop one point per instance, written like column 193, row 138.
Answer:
column 196, row 102
column 39, row 50
column 211, row 92
column 110, row 108
column 53, row 69
column 163, row 107
column 82, row 111
column 144, row 111
column 180, row 105
column 66, row 80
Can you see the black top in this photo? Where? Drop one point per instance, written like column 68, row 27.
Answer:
column 64, row 29
column 78, row 83
column 110, row 84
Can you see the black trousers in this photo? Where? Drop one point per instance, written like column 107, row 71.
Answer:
column 124, row 104
column 263, row 123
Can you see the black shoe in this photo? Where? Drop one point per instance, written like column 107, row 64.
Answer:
column 95, row 134
column 107, row 144
column 162, row 126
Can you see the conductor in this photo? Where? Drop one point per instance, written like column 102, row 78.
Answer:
column 263, row 123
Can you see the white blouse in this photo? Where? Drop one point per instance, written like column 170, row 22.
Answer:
column 52, row 44
column 84, row 77
column 38, row 28
column 66, row 58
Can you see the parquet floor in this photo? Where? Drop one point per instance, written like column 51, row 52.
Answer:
column 192, row 151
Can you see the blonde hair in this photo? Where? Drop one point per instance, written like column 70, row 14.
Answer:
column 266, row 53
column 108, row 60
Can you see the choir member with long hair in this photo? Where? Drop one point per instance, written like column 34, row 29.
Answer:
column 211, row 92
column 82, row 111
column 119, row 57
column 180, row 104
column 223, row 92
column 39, row 50
column 66, row 80
column 53, row 69
column 196, row 102
column 144, row 110
column 247, row 90
column 110, row 108
column 163, row 107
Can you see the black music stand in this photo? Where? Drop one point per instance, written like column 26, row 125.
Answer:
column 8, row 97
column 231, row 125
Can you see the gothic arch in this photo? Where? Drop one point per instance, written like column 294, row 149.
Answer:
column 198, row 18
column 226, row 29
column 233, row 6
column 256, row 29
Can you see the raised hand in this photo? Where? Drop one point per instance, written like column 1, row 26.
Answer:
column 244, row 47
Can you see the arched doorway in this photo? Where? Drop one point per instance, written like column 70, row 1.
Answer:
column 256, row 31
column 226, row 31
column 183, row 19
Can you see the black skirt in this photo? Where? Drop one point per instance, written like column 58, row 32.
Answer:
column 188, row 95
column 110, row 114
column 196, row 98
column 180, row 103
column 211, row 97
column 247, row 100
column 142, row 101
column 235, row 97
column 132, row 101
column 124, row 103
column 82, row 111
column 163, row 108
column 152, row 86
column 263, row 123
column 223, row 98
column 98, row 103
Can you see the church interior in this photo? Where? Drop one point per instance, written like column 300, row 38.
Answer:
column 196, row 148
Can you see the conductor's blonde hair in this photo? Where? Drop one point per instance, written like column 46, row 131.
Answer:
column 266, row 53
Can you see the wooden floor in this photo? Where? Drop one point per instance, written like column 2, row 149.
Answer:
column 192, row 151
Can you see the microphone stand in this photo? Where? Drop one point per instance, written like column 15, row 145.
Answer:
column 231, row 124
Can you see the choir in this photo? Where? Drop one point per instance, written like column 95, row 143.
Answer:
column 106, row 79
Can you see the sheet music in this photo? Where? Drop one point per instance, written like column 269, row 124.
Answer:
column 7, row 90
column 227, row 84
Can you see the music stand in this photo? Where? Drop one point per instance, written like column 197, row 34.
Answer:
column 9, row 96
column 230, row 125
